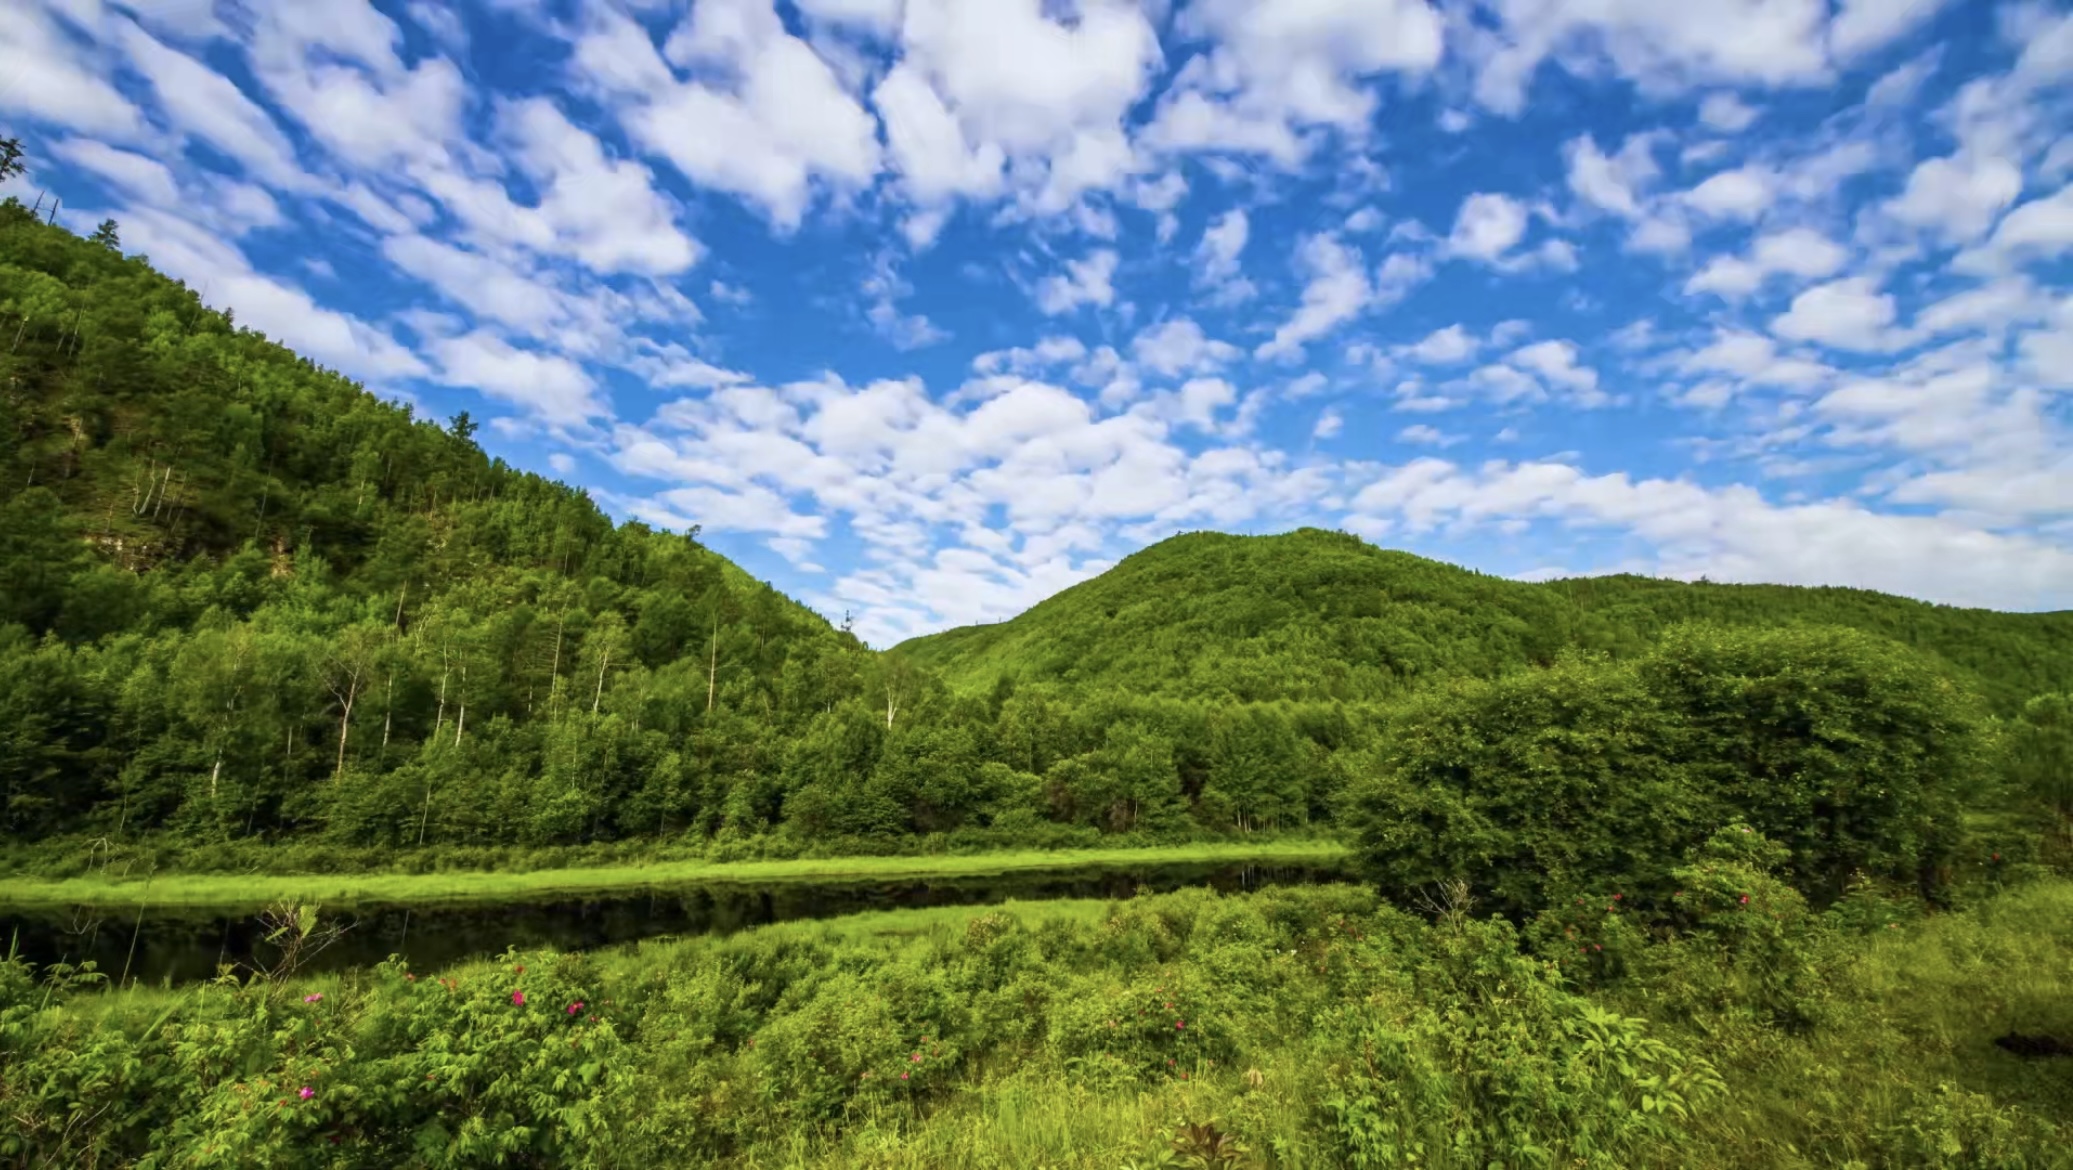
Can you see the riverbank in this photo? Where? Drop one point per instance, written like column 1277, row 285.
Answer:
column 219, row 891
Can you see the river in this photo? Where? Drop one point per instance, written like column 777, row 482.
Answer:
column 184, row 945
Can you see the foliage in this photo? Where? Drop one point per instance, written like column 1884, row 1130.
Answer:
column 1322, row 1028
column 1850, row 752
column 1315, row 616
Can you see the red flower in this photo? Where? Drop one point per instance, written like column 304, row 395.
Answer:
column 576, row 1008
column 903, row 1076
column 518, row 999
column 518, row 970
column 1178, row 1025
column 1745, row 899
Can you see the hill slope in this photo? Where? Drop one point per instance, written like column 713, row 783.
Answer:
column 244, row 594
column 1323, row 615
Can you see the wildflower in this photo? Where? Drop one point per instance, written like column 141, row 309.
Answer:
column 1183, row 1076
column 313, row 997
column 1617, row 897
column 576, row 1008
column 305, row 1092
column 903, row 1076
column 1597, row 946
column 518, row 999
column 1745, row 899
column 914, row 1059
column 1178, row 1025
column 518, row 970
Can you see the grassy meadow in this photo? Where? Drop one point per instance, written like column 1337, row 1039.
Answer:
column 1301, row 1027
column 254, row 890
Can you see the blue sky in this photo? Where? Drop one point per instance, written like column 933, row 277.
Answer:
column 926, row 309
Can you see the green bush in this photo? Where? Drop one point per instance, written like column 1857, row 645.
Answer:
column 1851, row 752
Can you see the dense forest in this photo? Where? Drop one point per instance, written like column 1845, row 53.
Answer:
column 247, row 599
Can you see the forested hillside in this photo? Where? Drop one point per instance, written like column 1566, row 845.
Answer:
column 243, row 595
column 247, row 599
column 1315, row 615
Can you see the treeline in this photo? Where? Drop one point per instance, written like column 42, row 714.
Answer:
column 1323, row 616
column 246, row 599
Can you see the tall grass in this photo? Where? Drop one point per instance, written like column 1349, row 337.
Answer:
column 242, row 891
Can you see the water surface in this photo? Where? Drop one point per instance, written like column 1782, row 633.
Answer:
column 189, row 945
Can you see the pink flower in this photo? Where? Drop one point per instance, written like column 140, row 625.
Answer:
column 1745, row 899
column 903, row 1076
column 306, row 1092
column 313, row 997
column 518, row 999
column 1178, row 1025
column 576, row 1008
column 914, row 1059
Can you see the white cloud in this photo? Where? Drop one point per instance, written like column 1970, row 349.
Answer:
column 1862, row 26
column 549, row 386
column 605, row 213
column 1487, row 226
column 484, row 286
column 1084, row 282
column 2039, row 229
column 1275, row 70
column 1337, row 290
column 1556, row 363
column 1426, row 436
column 51, row 77
column 1726, row 113
column 1610, row 183
column 1179, row 346
column 1048, row 94
column 877, row 16
column 208, row 105
column 782, row 126
column 137, row 176
column 1797, row 252
column 1665, row 48
column 1217, row 257
column 1958, row 198
column 1733, row 534
column 1843, row 314
column 1743, row 194
column 1443, row 347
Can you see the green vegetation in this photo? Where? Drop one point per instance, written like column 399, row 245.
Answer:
column 1290, row 1028
column 251, row 603
column 1661, row 874
column 1315, row 616
column 239, row 891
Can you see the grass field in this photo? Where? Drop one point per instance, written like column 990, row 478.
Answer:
column 248, row 891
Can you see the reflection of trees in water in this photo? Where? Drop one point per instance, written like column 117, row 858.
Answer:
column 191, row 948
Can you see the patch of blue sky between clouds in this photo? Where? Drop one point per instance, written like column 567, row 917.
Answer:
column 925, row 309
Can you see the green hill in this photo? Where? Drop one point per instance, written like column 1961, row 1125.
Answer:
column 1313, row 615
column 244, row 595
column 246, row 599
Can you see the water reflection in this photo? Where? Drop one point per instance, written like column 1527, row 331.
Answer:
column 186, row 946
